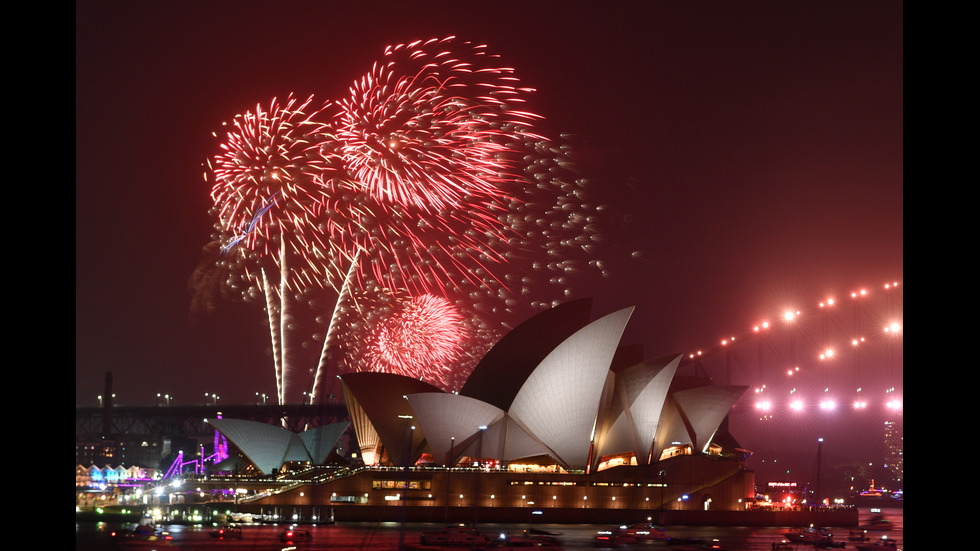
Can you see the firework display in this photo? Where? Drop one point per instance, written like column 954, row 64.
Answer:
column 432, row 124
column 403, row 228
column 424, row 333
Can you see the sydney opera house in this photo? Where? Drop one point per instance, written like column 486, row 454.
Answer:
column 556, row 415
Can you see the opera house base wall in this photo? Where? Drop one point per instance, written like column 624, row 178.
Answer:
column 699, row 490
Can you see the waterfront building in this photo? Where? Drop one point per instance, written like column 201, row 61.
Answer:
column 557, row 414
column 894, row 443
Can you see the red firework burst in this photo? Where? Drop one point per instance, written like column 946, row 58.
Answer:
column 422, row 339
column 432, row 125
column 268, row 176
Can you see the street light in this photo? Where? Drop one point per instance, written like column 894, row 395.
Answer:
column 449, row 474
column 817, row 491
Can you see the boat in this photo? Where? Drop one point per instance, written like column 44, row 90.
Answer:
column 293, row 534
column 528, row 540
column 883, row 544
column 857, row 535
column 226, row 532
column 810, row 534
column 141, row 536
column 632, row 533
column 135, row 531
column 461, row 535
column 877, row 523
column 694, row 544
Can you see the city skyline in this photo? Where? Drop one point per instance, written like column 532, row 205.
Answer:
column 750, row 157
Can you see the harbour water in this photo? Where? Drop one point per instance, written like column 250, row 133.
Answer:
column 393, row 536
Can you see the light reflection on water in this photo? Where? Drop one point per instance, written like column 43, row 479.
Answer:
column 388, row 536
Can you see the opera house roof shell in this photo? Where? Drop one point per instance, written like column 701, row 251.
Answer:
column 269, row 446
column 548, row 388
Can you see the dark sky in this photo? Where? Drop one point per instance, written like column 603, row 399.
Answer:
column 752, row 151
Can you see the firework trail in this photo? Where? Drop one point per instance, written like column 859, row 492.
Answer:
column 440, row 143
column 272, row 181
column 419, row 218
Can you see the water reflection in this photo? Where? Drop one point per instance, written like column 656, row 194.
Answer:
column 390, row 537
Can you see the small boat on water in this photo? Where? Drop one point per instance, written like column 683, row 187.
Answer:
column 227, row 532
column 694, row 544
column 461, row 535
column 632, row 533
column 883, row 544
column 528, row 540
column 858, row 535
column 877, row 523
column 141, row 536
column 809, row 534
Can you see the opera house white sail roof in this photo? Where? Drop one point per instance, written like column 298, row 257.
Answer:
column 549, row 389
column 570, row 406
column 269, row 446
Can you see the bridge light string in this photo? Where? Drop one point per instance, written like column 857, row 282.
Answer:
column 766, row 406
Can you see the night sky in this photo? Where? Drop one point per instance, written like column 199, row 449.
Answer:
column 750, row 153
